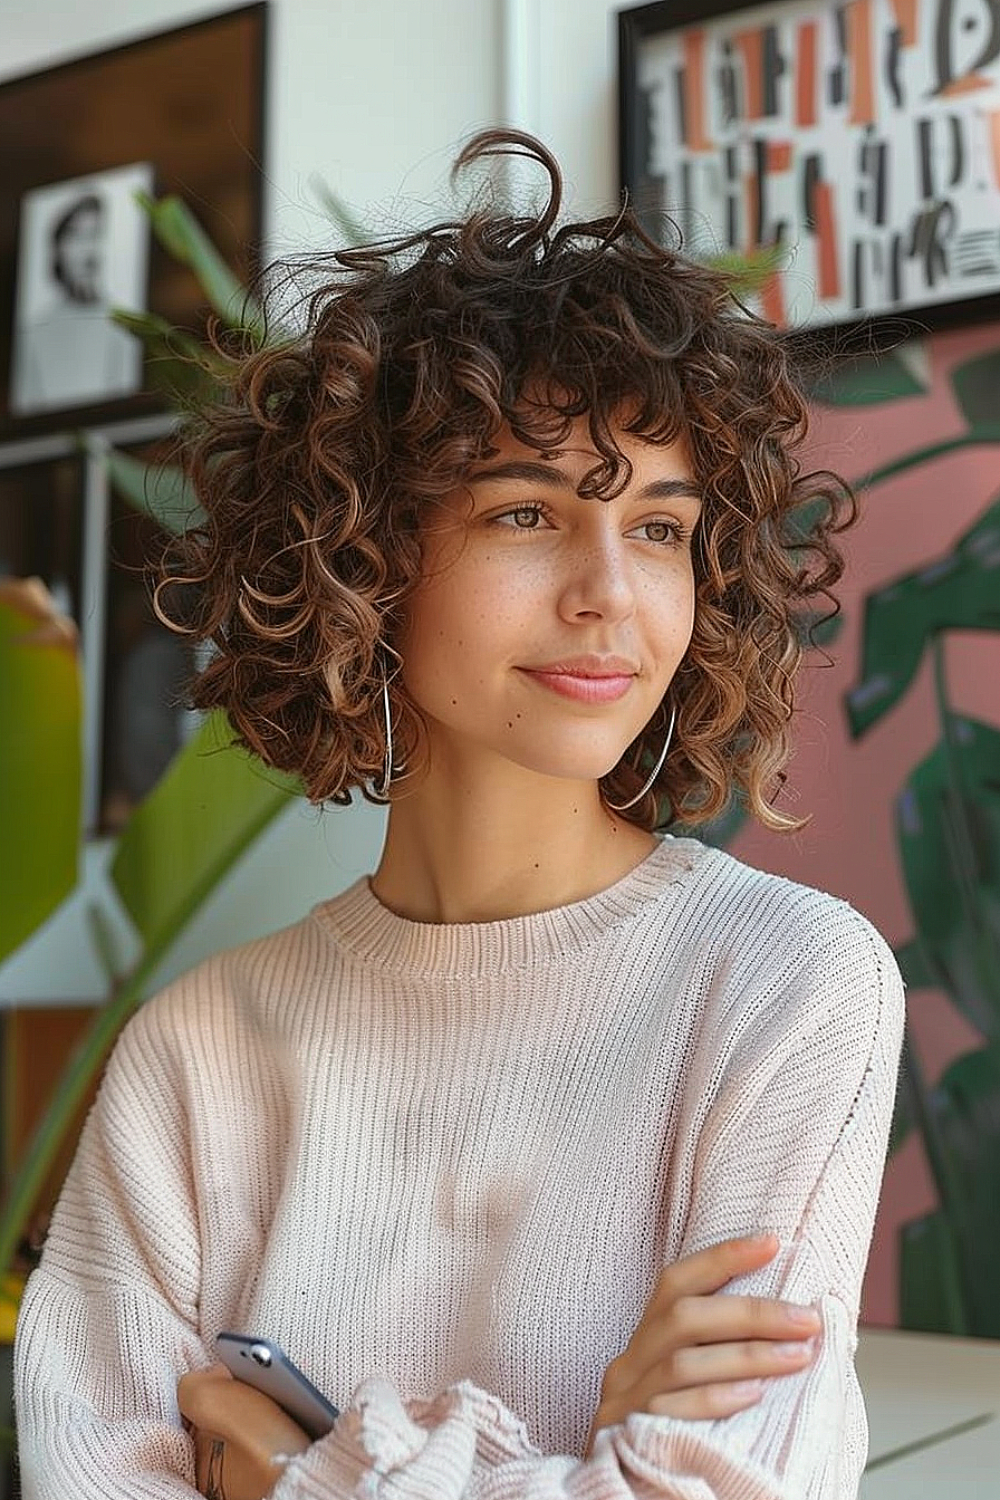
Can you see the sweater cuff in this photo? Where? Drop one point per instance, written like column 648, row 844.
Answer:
column 438, row 1443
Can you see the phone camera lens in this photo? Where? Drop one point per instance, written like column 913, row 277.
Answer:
column 260, row 1354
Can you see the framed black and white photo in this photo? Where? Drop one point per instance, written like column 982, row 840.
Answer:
column 83, row 248
column 861, row 139
column 177, row 113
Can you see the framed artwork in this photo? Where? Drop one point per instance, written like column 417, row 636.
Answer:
column 861, row 138
column 83, row 249
column 180, row 113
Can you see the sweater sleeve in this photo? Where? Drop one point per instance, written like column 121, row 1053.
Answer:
column 109, row 1320
column 794, row 1142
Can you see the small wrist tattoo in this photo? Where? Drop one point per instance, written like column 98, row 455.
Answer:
column 213, row 1480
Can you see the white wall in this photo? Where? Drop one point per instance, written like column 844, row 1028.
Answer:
column 374, row 98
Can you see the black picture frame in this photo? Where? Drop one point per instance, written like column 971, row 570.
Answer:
column 188, row 106
column 864, row 323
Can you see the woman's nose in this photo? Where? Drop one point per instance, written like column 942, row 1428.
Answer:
column 597, row 582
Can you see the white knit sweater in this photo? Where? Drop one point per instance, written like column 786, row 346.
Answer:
column 442, row 1165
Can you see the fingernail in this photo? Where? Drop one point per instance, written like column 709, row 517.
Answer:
column 800, row 1349
column 745, row 1390
column 807, row 1316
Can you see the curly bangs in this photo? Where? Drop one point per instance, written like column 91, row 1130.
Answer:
column 330, row 447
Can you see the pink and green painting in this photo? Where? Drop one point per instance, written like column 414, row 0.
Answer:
column 897, row 763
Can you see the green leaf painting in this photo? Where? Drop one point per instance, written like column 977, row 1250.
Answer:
column 948, row 834
column 871, row 380
column 959, row 591
column 948, row 1257
column 930, row 1296
column 947, row 824
column 976, row 387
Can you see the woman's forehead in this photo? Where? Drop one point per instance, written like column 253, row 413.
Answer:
column 577, row 453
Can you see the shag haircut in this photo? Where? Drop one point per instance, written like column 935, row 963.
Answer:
column 330, row 449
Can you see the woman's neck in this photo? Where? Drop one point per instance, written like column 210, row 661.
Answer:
column 457, row 853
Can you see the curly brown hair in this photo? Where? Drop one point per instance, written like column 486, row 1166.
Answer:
column 318, row 467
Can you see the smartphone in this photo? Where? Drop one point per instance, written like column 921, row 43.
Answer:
column 260, row 1363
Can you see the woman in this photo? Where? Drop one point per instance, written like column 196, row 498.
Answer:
column 512, row 538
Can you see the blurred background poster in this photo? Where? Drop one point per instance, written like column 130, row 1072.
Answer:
column 83, row 248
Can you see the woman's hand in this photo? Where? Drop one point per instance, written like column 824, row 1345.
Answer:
column 699, row 1355
column 242, row 1439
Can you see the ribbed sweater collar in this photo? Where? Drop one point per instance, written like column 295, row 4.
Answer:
column 373, row 934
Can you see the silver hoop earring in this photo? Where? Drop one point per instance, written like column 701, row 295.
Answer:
column 382, row 791
column 623, row 806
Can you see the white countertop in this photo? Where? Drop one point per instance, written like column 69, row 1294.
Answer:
column 917, row 1384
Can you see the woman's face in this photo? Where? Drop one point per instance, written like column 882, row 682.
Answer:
column 547, row 628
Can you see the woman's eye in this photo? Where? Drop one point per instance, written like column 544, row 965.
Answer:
column 660, row 531
column 523, row 518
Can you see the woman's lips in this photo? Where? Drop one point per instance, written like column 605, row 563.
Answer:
column 583, row 689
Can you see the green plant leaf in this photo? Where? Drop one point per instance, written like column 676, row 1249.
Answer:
column 177, row 229
column 960, row 591
column 211, row 803
column 870, row 379
column 158, row 490
column 337, row 211
column 184, row 367
column 975, row 384
column 11, row 1289
column 105, row 943
column 40, row 760
column 948, row 834
column 930, row 1293
column 747, row 272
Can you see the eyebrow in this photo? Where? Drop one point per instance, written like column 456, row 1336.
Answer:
column 541, row 473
